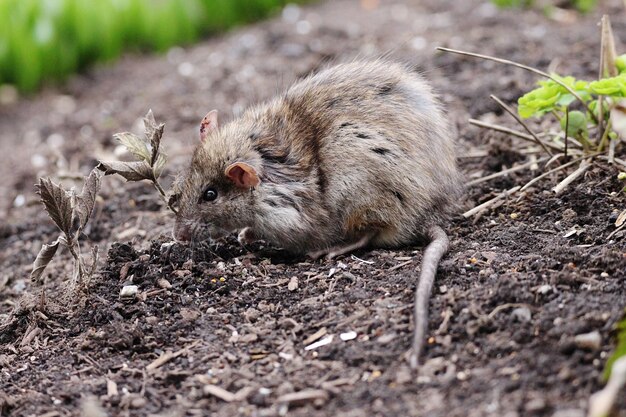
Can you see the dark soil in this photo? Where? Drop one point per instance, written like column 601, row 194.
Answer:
column 511, row 295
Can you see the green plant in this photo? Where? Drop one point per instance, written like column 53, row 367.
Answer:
column 583, row 6
column 47, row 40
column 70, row 212
column 591, row 114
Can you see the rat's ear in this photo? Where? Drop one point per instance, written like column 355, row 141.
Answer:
column 242, row 175
column 208, row 124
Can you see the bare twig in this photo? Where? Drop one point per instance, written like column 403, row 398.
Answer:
column 504, row 172
column 617, row 161
column 509, row 131
column 393, row 268
column 559, row 168
column 615, row 231
column 168, row 356
column 488, row 203
column 584, row 166
column 510, row 111
column 525, row 67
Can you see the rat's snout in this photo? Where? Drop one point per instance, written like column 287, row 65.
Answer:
column 182, row 231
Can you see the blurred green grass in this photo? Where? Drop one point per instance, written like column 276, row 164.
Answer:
column 46, row 40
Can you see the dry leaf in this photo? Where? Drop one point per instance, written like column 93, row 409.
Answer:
column 87, row 198
column 159, row 164
column 154, row 133
column 58, row 204
column 43, row 259
column 131, row 171
column 134, row 144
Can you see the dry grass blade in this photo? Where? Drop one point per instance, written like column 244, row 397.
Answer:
column 488, row 203
column 527, row 68
column 504, row 172
column 219, row 392
column 559, row 168
column 58, row 204
column 131, row 171
column 86, row 200
column 509, row 131
column 168, row 356
column 607, row 50
column 584, row 166
column 510, row 111
column 44, row 257
column 303, row 396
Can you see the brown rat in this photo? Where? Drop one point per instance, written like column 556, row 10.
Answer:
column 356, row 155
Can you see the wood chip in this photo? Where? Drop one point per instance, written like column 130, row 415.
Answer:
column 293, row 284
column 163, row 283
column 315, row 336
column 168, row 356
column 323, row 342
column 219, row 392
column 305, row 396
column 405, row 263
column 112, row 388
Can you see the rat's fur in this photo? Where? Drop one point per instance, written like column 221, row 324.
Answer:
column 358, row 149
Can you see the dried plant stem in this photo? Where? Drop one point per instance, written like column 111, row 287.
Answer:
column 509, row 131
column 605, row 137
column 617, row 161
column 525, row 67
column 488, row 203
column 553, row 159
column 611, row 156
column 559, row 168
column 565, row 131
column 504, row 172
column 584, row 166
column 163, row 195
column 510, row 111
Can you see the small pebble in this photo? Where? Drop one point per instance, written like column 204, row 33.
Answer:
column 522, row 314
column 589, row 341
column 348, row 336
column 128, row 292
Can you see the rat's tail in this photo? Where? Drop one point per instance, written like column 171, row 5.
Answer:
column 437, row 247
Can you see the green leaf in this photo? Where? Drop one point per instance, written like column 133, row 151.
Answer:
column 538, row 101
column 620, row 63
column 613, row 86
column 576, row 125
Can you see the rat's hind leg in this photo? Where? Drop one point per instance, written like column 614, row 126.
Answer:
column 343, row 249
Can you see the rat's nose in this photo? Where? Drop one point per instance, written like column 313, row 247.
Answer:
column 182, row 231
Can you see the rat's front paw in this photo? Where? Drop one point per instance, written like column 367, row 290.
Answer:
column 246, row 236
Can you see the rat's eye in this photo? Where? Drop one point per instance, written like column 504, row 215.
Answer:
column 210, row 194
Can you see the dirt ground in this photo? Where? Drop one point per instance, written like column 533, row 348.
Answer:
column 515, row 289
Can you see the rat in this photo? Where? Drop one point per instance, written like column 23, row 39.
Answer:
column 357, row 155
